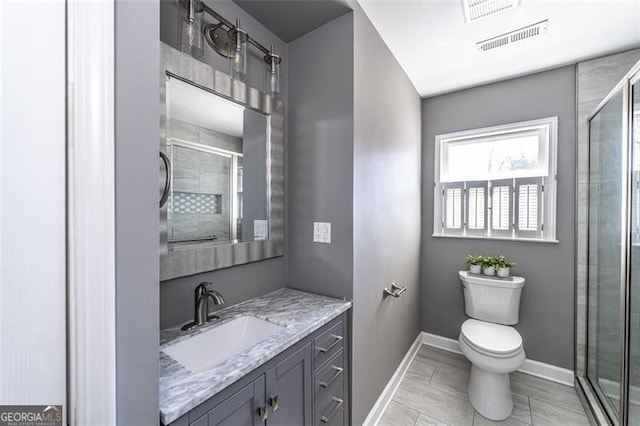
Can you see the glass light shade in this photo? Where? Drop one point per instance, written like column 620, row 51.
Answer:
column 239, row 58
column 190, row 35
column 272, row 74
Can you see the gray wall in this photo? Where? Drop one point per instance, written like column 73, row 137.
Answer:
column 320, row 158
column 136, row 197
column 236, row 284
column 547, row 306
column 386, row 215
column 354, row 158
column 240, row 282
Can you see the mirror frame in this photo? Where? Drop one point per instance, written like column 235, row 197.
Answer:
column 192, row 259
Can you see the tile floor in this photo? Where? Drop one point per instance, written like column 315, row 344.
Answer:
column 434, row 392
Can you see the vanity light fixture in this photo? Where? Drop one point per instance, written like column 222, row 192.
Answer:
column 272, row 73
column 228, row 40
column 239, row 57
column 190, row 27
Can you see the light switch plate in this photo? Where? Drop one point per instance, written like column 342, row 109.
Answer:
column 322, row 232
column 260, row 230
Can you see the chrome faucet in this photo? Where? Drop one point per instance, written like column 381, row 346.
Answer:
column 202, row 299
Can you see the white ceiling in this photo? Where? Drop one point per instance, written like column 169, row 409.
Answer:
column 201, row 108
column 437, row 48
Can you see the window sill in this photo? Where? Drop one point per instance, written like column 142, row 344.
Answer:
column 472, row 237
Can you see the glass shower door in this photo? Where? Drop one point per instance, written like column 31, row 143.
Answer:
column 605, row 253
column 634, row 305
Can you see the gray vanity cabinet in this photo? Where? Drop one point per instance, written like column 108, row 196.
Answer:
column 306, row 385
column 289, row 390
column 281, row 397
column 239, row 409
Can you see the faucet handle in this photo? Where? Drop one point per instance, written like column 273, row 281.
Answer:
column 202, row 288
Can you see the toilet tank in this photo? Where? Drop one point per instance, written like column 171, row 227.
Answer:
column 492, row 299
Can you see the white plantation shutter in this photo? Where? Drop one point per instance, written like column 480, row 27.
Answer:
column 501, row 207
column 528, row 205
column 476, row 207
column 501, row 211
column 454, row 205
column 453, row 208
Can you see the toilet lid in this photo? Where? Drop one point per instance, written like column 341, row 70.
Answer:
column 489, row 337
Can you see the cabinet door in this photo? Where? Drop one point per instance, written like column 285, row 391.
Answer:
column 289, row 390
column 242, row 408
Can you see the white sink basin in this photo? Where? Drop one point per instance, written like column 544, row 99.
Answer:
column 221, row 343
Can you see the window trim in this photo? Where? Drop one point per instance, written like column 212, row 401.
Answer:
column 549, row 199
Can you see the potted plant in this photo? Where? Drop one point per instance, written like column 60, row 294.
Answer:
column 488, row 267
column 474, row 262
column 503, row 266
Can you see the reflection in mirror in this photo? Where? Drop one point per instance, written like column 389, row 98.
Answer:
column 224, row 144
column 220, row 179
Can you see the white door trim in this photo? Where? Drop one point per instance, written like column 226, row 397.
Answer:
column 91, row 212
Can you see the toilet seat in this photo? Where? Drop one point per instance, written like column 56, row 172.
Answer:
column 495, row 340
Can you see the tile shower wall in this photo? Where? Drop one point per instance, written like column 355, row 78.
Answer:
column 595, row 79
column 200, row 204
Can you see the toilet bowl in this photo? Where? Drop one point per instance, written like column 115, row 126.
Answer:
column 489, row 343
column 494, row 351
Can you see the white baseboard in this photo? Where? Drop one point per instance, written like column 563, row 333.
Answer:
column 531, row 367
column 440, row 342
column 385, row 397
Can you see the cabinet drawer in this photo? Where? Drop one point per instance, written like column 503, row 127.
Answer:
column 327, row 344
column 330, row 412
column 327, row 376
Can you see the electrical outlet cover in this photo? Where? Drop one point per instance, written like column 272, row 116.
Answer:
column 322, row 232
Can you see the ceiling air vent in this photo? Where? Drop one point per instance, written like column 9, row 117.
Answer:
column 515, row 36
column 478, row 9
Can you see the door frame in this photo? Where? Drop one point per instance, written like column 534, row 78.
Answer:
column 91, row 344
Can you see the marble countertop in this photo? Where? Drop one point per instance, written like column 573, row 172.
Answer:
column 301, row 313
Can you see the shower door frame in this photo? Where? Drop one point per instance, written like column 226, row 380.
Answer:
column 632, row 77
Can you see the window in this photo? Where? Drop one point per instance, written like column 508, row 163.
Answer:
column 497, row 182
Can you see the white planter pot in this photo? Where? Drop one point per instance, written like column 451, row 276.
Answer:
column 503, row 272
column 475, row 269
column 490, row 271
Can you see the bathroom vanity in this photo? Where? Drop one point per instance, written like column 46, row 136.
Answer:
column 298, row 374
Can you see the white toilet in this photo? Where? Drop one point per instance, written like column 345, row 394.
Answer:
column 493, row 348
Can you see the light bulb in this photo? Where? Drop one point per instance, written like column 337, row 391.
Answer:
column 272, row 74
column 190, row 35
column 239, row 58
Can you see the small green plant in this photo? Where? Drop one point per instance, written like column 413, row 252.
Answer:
column 474, row 259
column 487, row 262
column 500, row 262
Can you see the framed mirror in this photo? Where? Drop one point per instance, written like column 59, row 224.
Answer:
column 222, row 176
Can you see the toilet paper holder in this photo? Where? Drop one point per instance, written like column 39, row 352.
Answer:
column 395, row 291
